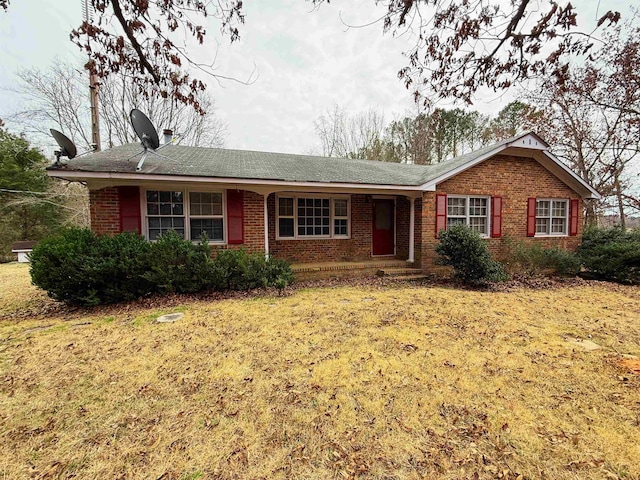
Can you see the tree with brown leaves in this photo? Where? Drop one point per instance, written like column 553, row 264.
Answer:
column 460, row 45
column 591, row 115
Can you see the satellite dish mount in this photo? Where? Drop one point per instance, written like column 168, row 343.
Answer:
column 147, row 134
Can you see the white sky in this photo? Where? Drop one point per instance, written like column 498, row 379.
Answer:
column 307, row 62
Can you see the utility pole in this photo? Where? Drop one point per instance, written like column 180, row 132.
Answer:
column 87, row 12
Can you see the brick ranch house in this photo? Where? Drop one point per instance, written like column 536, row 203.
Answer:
column 317, row 209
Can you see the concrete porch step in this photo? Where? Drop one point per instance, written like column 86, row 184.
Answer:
column 335, row 266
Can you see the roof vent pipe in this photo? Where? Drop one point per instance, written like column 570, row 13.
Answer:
column 167, row 136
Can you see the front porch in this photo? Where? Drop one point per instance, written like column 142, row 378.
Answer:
column 397, row 268
column 369, row 230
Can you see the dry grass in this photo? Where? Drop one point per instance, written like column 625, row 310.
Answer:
column 350, row 382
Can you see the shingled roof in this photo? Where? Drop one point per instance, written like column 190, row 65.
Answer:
column 242, row 164
column 185, row 161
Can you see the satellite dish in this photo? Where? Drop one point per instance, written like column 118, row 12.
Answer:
column 147, row 134
column 67, row 148
column 144, row 129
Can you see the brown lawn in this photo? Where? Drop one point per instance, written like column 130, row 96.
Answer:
column 372, row 382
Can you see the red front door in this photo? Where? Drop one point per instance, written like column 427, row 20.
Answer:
column 383, row 227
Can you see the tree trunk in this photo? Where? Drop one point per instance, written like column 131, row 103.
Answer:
column 590, row 217
column 623, row 221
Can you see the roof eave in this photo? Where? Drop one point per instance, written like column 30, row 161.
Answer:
column 431, row 184
column 262, row 184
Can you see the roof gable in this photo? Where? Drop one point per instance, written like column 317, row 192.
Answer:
column 528, row 140
column 526, row 144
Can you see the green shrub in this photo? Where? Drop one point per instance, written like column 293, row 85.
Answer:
column 612, row 254
column 238, row 270
column 178, row 265
column 467, row 253
column 536, row 260
column 81, row 268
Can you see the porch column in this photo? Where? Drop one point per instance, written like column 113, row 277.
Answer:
column 266, row 227
column 412, row 227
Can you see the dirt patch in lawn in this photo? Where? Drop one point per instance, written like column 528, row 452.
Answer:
column 632, row 365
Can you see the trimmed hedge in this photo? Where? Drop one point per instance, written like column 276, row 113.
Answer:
column 468, row 254
column 81, row 268
column 536, row 260
column 612, row 254
column 178, row 265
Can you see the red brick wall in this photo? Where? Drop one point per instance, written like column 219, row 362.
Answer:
column 253, row 223
column 402, row 227
column 358, row 247
column 105, row 217
column 104, row 211
column 515, row 179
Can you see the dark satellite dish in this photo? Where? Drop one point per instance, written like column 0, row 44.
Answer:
column 67, row 148
column 144, row 129
column 146, row 133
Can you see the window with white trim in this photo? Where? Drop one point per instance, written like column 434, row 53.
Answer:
column 312, row 217
column 470, row 211
column 286, row 218
column 202, row 212
column 551, row 217
column 340, row 217
column 165, row 211
column 205, row 215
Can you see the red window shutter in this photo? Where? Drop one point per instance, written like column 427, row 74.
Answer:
column 441, row 213
column 496, row 217
column 531, row 217
column 235, row 217
column 573, row 216
column 129, row 200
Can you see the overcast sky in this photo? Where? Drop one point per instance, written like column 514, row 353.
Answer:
column 306, row 61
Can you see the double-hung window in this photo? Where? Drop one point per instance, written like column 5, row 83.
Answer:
column 165, row 211
column 551, row 217
column 205, row 215
column 340, row 217
column 312, row 216
column 470, row 211
column 286, row 218
column 189, row 214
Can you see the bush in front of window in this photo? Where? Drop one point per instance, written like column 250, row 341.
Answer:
column 465, row 251
column 79, row 267
column 612, row 253
column 537, row 260
column 178, row 265
column 238, row 270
